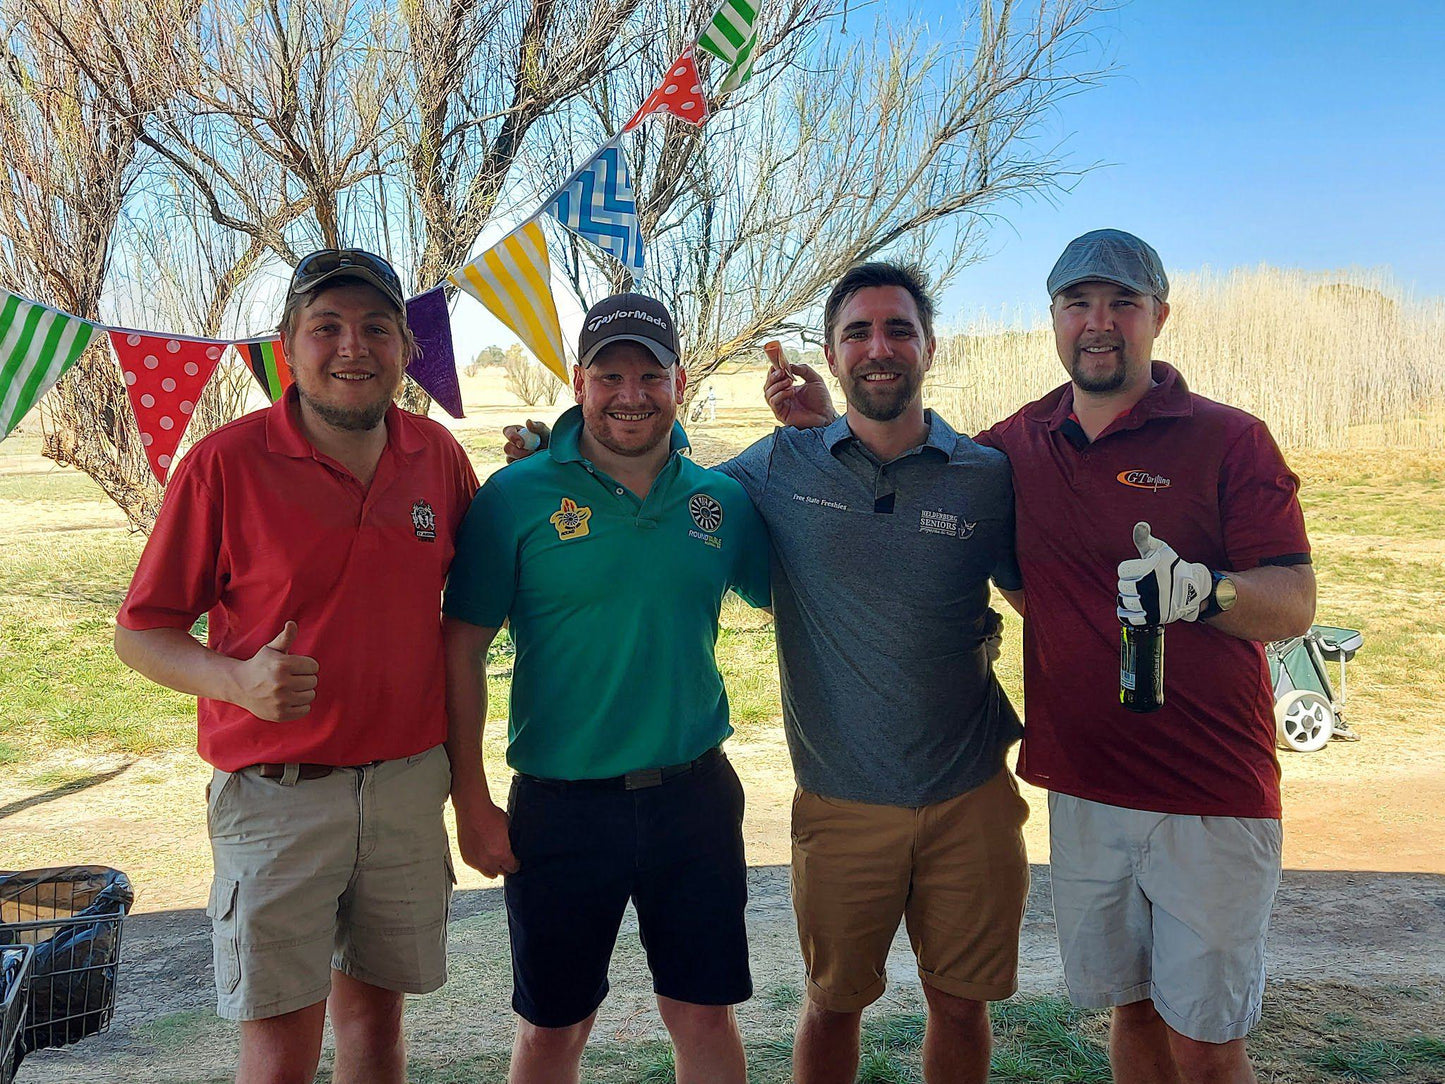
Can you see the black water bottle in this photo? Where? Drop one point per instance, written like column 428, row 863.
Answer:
column 1141, row 667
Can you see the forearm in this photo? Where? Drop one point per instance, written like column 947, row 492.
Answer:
column 466, row 663
column 1274, row 602
column 176, row 659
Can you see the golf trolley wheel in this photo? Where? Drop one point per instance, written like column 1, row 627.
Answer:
column 1304, row 721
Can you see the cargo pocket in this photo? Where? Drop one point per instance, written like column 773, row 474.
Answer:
column 225, row 937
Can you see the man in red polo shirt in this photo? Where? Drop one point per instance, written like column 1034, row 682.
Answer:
column 316, row 537
column 1164, row 827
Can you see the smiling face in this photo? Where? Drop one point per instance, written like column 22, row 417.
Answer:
column 347, row 350
column 628, row 400
column 1105, row 335
column 880, row 351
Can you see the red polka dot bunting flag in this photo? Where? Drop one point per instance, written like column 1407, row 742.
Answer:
column 680, row 93
column 164, row 376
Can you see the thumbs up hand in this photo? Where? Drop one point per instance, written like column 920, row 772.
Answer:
column 1160, row 587
column 276, row 685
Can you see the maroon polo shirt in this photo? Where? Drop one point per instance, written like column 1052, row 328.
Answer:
column 258, row 528
column 1209, row 480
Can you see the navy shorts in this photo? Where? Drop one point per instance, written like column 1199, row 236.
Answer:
column 675, row 850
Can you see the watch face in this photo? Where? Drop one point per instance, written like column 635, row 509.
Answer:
column 1224, row 593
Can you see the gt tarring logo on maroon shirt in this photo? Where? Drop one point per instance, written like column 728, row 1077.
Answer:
column 1142, row 479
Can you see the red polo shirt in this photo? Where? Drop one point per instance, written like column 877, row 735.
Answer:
column 1209, row 480
column 258, row 528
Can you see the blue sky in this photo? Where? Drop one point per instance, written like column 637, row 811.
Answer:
column 1306, row 135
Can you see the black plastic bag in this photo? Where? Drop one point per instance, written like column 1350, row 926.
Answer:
column 72, row 915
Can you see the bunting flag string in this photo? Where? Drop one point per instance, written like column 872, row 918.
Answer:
column 37, row 345
column 598, row 204
column 732, row 36
column 435, row 366
column 679, row 93
column 266, row 359
column 164, row 377
column 513, row 279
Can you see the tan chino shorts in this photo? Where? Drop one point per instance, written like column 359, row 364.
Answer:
column 955, row 872
column 350, row 871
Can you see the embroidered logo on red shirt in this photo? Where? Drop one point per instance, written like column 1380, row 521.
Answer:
column 1142, row 479
column 424, row 521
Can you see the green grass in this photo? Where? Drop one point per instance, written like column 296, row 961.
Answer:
column 1380, row 1059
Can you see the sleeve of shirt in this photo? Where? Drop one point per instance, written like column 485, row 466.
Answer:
column 482, row 581
column 179, row 575
column 1006, row 573
column 1259, row 504
column 752, row 572
column 749, row 468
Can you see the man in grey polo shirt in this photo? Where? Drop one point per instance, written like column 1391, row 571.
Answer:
column 886, row 526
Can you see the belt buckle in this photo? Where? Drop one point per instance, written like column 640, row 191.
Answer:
column 641, row 780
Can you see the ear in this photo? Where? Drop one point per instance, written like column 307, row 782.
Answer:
column 928, row 353
column 832, row 361
column 1161, row 313
column 679, row 384
column 579, row 382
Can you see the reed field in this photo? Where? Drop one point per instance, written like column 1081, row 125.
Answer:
column 1328, row 359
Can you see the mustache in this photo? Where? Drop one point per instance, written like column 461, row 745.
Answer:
column 1114, row 341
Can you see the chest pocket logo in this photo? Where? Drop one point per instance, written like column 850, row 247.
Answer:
column 706, row 512
column 570, row 520
column 1142, row 479
column 424, row 521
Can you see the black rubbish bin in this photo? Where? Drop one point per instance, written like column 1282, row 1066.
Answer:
column 72, row 917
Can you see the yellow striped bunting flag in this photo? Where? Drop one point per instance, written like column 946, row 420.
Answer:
column 37, row 345
column 513, row 279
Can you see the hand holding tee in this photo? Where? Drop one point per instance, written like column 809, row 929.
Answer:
column 523, row 442
column 803, row 406
column 1160, row 587
column 276, row 685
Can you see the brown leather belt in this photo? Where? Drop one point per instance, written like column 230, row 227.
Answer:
column 308, row 771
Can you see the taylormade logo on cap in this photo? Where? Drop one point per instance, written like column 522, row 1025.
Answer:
column 628, row 314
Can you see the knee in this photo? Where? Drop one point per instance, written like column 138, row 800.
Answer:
column 1207, row 1063
column 1136, row 1015
column 697, row 1022
column 959, row 1012
column 371, row 1023
column 551, row 1043
column 815, row 1016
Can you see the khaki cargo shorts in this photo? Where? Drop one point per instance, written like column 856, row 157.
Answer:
column 955, row 872
column 350, row 871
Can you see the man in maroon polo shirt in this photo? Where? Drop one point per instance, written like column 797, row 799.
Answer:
column 1164, row 827
column 316, row 536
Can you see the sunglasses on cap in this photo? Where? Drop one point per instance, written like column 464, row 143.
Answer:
column 329, row 263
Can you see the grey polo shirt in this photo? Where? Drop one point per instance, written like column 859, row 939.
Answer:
column 880, row 592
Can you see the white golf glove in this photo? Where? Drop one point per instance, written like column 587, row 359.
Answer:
column 1159, row 587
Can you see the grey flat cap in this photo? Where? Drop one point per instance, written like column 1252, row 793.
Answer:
column 1110, row 256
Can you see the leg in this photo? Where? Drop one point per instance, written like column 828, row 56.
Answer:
column 367, row 1022
column 1139, row 1046
column 706, row 1040
column 825, row 1048
column 548, row 1055
column 281, row 1049
column 1211, row 1063
column 958, row 1041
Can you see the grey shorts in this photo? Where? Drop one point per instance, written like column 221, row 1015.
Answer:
column 350, row 871
column 1167, row 907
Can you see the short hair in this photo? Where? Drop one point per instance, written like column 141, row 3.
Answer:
column 861, row 276
column 297, row 302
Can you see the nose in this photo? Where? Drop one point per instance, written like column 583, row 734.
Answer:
column 879, row 344
column 350, row 342
column 1100, row 316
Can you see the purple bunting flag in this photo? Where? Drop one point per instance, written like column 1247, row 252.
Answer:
column 435, row 367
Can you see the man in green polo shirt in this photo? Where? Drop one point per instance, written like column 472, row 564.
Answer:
column 609, row 555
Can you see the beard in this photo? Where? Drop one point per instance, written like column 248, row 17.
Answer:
column 877, row 402
column 350, row 419
column 1099, row 382
column 609, row 434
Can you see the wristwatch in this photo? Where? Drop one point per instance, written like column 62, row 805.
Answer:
column 1222, row 596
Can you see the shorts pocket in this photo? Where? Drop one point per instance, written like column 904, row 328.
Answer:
column 225, row 935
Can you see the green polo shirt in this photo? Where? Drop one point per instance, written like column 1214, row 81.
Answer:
column 613, row 604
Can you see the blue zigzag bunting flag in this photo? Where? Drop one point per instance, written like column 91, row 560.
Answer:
column 597, row 203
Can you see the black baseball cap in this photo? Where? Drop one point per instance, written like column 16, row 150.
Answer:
column 1110, row 256
column 328, row 264
column 628, row 318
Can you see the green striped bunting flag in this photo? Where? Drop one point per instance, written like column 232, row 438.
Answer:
column 731, row 37
column 37, row 345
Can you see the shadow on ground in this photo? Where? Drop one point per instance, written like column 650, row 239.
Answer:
column 1343, row 936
